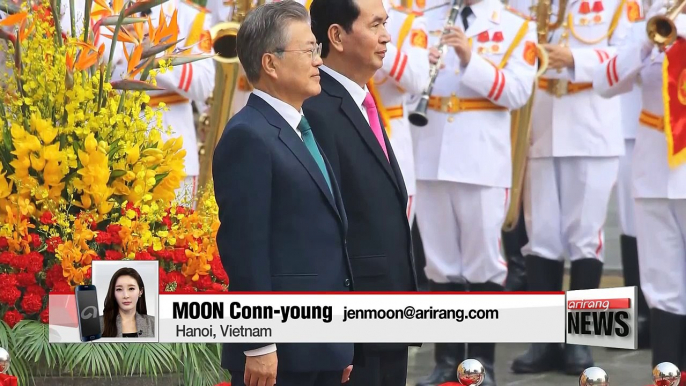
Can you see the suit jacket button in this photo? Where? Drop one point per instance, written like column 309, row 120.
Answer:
column 347, row 282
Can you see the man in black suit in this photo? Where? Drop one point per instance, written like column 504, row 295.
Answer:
column 283, row 224
column 345, row 120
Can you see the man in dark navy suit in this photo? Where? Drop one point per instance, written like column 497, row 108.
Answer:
column 283, row 225
column 345, row 118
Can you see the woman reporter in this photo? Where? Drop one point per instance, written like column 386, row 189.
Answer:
column 125, row 313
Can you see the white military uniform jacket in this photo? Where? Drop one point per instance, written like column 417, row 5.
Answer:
column 581, row 123
column 474, row 146
column 637, row 59
column 405, row 72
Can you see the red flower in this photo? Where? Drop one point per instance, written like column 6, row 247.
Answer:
column 36, row 242
column 111, row 254
column 12, row 317
column 53, row 243
column 205, row 282
column 9, row 295
column 19, row 262
column 62, row 287
column 45, row 316
column 103, row 238
column 47, row 218
column 217, row 287
column 36, row 290
column 218, row 270
column 6, row 258
column 8, row 280
column 34, row 262
column 3, row 243
column 54, row 275
column 89, row 273
column 180, row 256
column 129, row 206
column 114, row 230
column 26, row 279
column 144, row 256
column 166, row 220
column 31, row 303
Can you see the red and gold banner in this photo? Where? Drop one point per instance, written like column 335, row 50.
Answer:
column 674, row 96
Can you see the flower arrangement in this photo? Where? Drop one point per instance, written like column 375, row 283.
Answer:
column 86, row 176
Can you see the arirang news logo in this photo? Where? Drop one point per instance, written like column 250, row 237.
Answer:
column 602, row 317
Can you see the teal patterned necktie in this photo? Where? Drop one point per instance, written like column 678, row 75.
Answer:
column 308, row 139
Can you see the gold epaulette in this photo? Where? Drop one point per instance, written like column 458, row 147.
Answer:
column 517, row 13
column 196, row 6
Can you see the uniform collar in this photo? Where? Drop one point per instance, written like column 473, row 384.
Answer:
column 487, row 13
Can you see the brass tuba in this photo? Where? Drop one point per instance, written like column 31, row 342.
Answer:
column 521, row 118
column 661, row 29
column 224, row 45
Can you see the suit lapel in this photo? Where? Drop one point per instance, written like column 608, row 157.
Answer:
column 288, row 136
column 352, row 111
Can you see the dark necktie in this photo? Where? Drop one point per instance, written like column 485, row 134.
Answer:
column 308, row 139
column 466, row 13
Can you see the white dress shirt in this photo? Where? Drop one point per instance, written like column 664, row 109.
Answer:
column 292, row 117
column 287, row 112
column 356, row 92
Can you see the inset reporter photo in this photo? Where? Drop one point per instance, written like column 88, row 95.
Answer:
column 127, row 295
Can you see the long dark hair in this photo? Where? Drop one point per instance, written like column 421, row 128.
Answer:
column 112, row 307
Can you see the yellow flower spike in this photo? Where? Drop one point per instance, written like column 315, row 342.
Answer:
column 44, row 129
column 132, row 154
column 91, row 143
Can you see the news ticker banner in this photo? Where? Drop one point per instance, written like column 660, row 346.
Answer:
column 601, row 317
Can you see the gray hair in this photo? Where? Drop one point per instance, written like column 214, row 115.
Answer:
column 263, row 31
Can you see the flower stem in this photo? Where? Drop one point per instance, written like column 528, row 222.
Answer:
column 72, row 19
column 87, row 21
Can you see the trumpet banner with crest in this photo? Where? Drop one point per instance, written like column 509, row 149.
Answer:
column 674, row 93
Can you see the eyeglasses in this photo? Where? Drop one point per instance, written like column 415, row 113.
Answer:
column 315, row 52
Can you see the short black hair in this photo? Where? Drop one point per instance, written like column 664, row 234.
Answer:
column 264, row 30
column 325, row 13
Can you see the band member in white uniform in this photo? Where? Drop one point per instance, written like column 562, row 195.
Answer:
column 658, row 178
column 631, row 109
column 405, row 72
column 463, row 155
column 573, row 164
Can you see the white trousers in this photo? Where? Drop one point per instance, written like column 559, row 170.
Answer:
column 186, row 192
column 565, row 206
column 625, row 198
column 461, row 227
column 661, row 236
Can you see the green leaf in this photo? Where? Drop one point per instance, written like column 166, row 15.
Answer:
column 142, row 6
column 20, row 365
column 112, row 20
column 150, row 359
column 96, row 359
column 160, row 177
column 177, row 60
column 202, row 363
column 116, row 174
column 154, row 50
column 33, row 343
column 135, row 85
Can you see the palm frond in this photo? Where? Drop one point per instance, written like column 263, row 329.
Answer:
column 19, row 366
column 33, row 343
column 96, row 359
column 148, row 359
column 202, row 363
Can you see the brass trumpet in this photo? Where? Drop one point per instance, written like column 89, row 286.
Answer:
column 521, row 119
column 226, row 73
column 661, row 28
